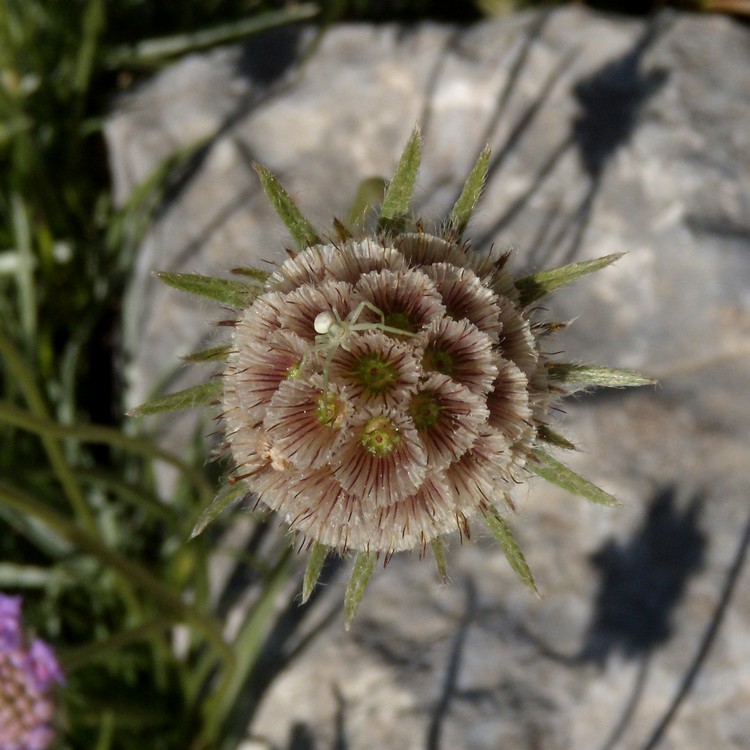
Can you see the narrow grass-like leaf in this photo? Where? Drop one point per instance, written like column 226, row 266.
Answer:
column 472, row 190
column 400, row 190
column 74, row 658
column 199, row 395
column 302, row 231
column 235, row 294
column 228, row 494
column 131, row 571
column 438, row 552
column 93, row 25
column 152, row 52
column 364, row 564
column 51, row 430
column 13, row 128
column 18, row 576
column 222, row 706
column 128, row 224
column 540, row 284
column 25, row 265
column 553, row 471
column 131, row 494
column 502, row 533
column 16, row 369
column 214, row 354
column 318, row 556
column 554, row 438
column 593, row 375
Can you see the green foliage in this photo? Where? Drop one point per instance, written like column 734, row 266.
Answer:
column 504, row 536
column 553, row 471
column 228, row 494
column 594, row 375
column 235, row 294
column 400, row 190
column 364, row 564
column 212, row 354
column 472, row 190
column 153, row 52
column 105, row 567
column 103, row 561
column 302, row 231
column 541, row 284
column 548, row 435
column 189, row 398
column 315, row 562
column 438, row 552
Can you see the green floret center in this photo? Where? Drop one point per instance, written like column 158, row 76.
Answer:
column 425, row 410
column 400, row 320
column 379, row 436
column 330, row 411
column 375, row 373
column 294, row 371
column 438, row 360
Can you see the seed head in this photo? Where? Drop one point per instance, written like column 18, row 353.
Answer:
column 385, row 390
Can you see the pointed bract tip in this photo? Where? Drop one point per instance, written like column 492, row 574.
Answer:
column 540, row 284
column 364, row 564
column 513, row 554
column 299, row 227
column 315, row 563
column 549, row 468
column 470, row 194
column 400, row 190
column 438, row 551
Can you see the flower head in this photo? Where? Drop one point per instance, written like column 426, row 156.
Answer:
column 384, row 391
column 29, row 673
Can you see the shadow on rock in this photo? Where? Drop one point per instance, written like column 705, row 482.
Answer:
column 643, row 580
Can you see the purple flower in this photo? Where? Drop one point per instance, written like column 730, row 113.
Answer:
column 10, row 621
column 29, row 673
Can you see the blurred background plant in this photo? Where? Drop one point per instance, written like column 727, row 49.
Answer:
column 102, row 561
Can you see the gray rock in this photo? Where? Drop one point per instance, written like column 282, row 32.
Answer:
column 608, row 135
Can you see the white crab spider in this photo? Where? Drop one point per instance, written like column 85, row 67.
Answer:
column 333, row 330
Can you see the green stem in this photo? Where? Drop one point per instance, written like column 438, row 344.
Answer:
column 23, row 375
column 132, row 571
column 76, row 658
column 155, row 51
column 106, row 435
column 247, row 648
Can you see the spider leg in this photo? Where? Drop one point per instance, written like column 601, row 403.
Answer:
column 380, row 327
column 327, row 364
column 365, row 304
column 353, row 316
column 321, row 343
column 399, row 331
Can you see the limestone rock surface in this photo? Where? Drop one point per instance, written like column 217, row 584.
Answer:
column 608, row 135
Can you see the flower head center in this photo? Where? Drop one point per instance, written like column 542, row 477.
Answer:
column 294, row 371
column 379, row 436
column 330, row 411
column 400, row 320
column 425, row 410
column 375, row 373
column 438, row 360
